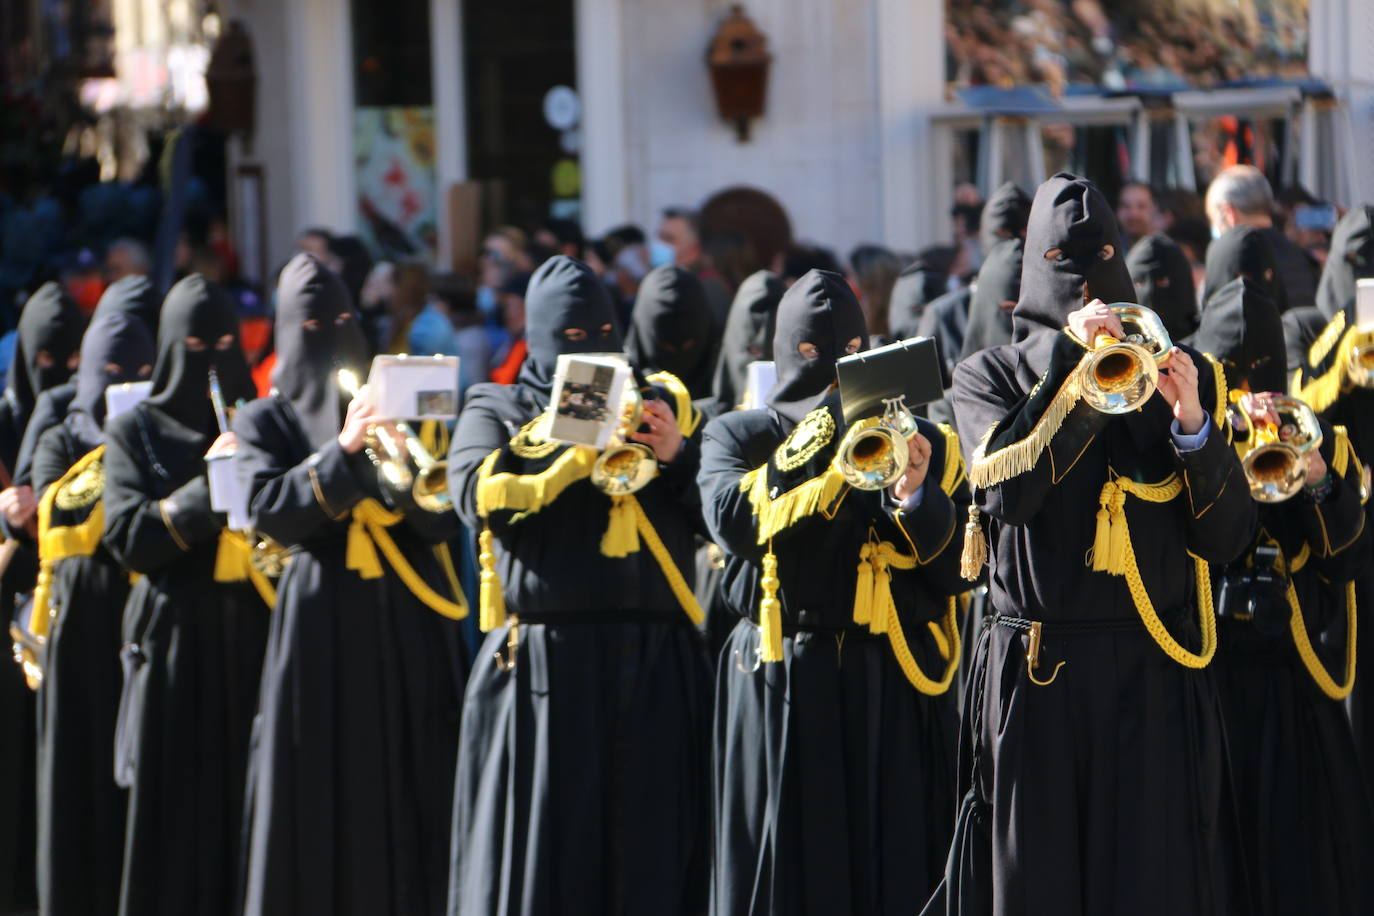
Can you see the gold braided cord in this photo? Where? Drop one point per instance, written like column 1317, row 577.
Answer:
column 367, row 532
column 688, row 417
column 875, row 608
column 234, row 563
column 1344, row 452
column 1326, row 339
column 676, row 582
column 1113, row 554
column 954, row 461
column 1020, row 456
column 1219, row 382
column 1298, row 627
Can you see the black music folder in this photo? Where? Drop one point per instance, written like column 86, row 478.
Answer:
column 909, row 368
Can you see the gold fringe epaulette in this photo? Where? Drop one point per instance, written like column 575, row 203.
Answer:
column 779, row 513
column 1015, row 459
column 1321, row 347
column 528, row 493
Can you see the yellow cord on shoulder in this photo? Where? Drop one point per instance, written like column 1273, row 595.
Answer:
column 875, row 608
column 367, row 532
column 688, row 417
column 954, row 461
column 1219, row 382
column 1113, row 554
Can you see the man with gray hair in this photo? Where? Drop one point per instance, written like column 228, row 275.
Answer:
column 127, row 257
column 1241, row 196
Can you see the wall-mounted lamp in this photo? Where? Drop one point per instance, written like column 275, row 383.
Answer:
column 738, row 59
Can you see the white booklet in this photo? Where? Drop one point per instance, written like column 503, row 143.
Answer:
column 227, row 493
column 1364, row 303
column 121, row 398
column 415, row 387
column 760, row 377
column 589, row 392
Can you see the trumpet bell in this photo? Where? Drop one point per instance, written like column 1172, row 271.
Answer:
column 1119, row 376
column 624, row 469
column 874, row 458
column 1362, row 363
column 1275, row 471
column 430, row 489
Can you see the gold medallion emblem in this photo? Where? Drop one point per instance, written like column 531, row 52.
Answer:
column 83, row 489
column 812, row 434
column 530, row 441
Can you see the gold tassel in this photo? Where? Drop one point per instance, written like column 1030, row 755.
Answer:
column 622, row 531
column 491, row 599
column 883, row 608
column 975, row 552
column 863, row 589
column 770, row 611
column 1102, row 539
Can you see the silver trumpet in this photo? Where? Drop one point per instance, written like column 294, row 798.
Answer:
column 1276, row 464
column 1119, row 376
column 876, row 457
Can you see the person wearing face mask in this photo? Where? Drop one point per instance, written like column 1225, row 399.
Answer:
column 1321, row 342
column 834, row 719
column 352, row 761
column 77, row 606
column 581, row 780
column 1286, row 640
column 1096, row 778
column 1163, row 281
column 194, row 626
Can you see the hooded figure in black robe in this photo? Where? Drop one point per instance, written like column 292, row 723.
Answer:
column 194, row 635
column 50, row 328
column 1244, row 252
column 347, row 804
column 1004, row 215
column 1320, row 342
column 672, row 329
column 80, row 807
column 1163, row 279
column 1285, row 659
column 581, row 782
column 748, row 338
column 994, row 295
column 918, row 285
column 1092, row 763
column 834, row 722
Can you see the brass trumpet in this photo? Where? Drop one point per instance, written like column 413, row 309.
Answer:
column 1361, row 366
column 427, row 485
column 1276, row 464
column 393, row 471
column 1119, row 376
column 874, row 458
column 430, row 486
column 625, row 467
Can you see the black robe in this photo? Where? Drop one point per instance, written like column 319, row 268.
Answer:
column 196, row 647
column 81, row 809
column 582, row 785
column 1105, row 791
column 353, row 748
column 1305, row 809
column 833, row 776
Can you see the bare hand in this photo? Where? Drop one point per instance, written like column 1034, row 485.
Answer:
column 225, row 444
column 1093, row 319
column 1178, row 384
column 663, row 436
column 1259, row 407
column 1316, row 468
column 18, row 505
column 361, row 415
column 917, row 466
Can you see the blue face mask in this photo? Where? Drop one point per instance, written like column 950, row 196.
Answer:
column 660, row 253
column 1217, row 232
column 487, row 302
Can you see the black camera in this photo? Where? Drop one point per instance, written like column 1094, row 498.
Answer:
column 1258, row 593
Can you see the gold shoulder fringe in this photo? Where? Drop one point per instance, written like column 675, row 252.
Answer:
column 780, row 513
column 1324, row 390
column 528, row 493
column 1019, row 457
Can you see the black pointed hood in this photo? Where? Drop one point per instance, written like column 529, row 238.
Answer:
column 672, row 328
column 197, row 308
column 1242, row 328
column 133, row 295
column 317, row 334
column 567, row 310
column 920, row 283
column 1243, row 252
column 1072, row 255
column 1350, row 258
column 999, row 280
column 1163, row 280
column 748, row 336
column 50, row 321
column 821, row 310
column 1004, row 215
column 116, row 349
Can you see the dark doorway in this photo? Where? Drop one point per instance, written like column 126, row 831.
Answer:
column 515, row 51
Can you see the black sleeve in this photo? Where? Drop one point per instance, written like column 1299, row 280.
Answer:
column 933, row 529
column 291, row 501
column 145, row 533
column 480, row 432
column 725, row 458
column 53, row 456
column 1334, row 529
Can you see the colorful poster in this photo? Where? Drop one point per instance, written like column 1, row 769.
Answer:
column 398, row 195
